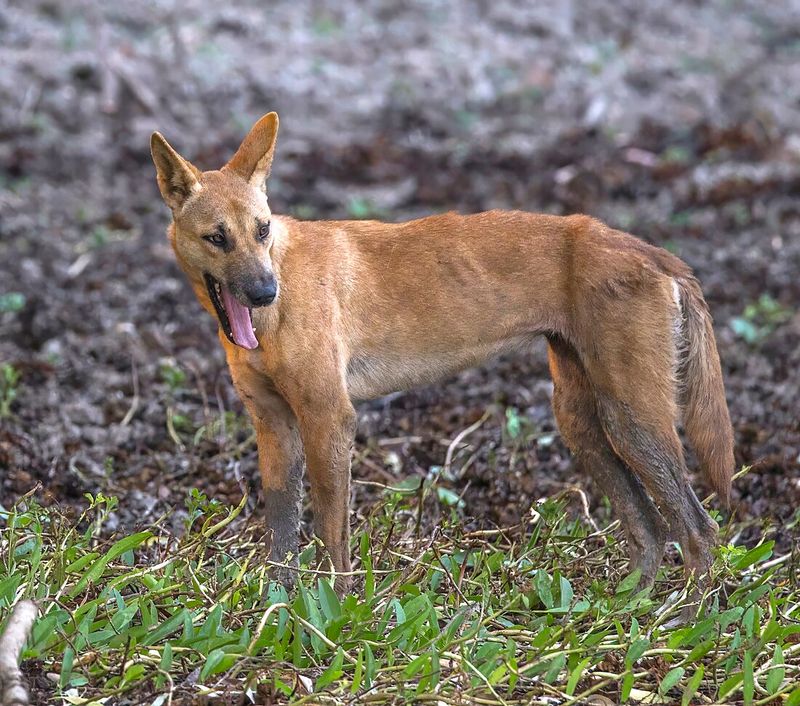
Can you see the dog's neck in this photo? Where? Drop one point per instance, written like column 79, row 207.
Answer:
column 280, row 241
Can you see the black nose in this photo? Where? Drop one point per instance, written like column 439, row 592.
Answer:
column 262, row 291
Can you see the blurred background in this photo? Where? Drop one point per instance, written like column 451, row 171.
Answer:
column 675, row 121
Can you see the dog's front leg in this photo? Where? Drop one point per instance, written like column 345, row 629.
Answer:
column 280, row 464
column 328, row 438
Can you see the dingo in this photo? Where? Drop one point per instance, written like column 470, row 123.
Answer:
column 314, row 315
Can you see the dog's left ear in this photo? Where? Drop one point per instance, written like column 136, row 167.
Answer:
column 253, row 159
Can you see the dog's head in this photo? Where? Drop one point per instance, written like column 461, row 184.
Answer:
column 221, row 228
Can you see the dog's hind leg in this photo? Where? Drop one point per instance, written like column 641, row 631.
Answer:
column 630, row 362
column 576, row 415
column 655, row 455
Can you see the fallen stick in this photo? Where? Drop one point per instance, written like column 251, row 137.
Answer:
column 12, row 688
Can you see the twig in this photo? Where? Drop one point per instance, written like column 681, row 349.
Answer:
column 448, row 460
column 743, row 471
column 171, row 429
column 135, row 401
column 584, row 505
column 12, row 689
column 223, row 424
column 369, row 463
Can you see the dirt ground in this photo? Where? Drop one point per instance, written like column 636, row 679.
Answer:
column 675, row 121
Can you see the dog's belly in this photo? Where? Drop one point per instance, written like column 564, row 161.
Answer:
column 372, row 374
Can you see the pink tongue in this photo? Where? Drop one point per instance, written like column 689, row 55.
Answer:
column 239, row 318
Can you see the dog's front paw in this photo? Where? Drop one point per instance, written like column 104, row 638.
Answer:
column 342, row 584
column 284, row 574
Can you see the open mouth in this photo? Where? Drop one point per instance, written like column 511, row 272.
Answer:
column 234, row 317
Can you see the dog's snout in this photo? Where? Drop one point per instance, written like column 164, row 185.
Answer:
column 262, row 291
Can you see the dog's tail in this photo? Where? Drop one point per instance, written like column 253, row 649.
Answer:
column 705, row 411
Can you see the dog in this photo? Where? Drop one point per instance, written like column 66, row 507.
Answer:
column 314, row 315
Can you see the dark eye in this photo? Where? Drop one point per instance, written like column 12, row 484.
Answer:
column 263, row 231
column 217, row 239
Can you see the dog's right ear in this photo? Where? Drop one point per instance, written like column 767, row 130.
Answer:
column 177, row 177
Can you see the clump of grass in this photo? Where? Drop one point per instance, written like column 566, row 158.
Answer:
column 538, row 613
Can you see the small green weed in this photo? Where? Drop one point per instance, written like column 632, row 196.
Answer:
column 519, row 432
column 12, row 302
column 9, row 377
column 759, row 319
column 305, row 212
column 171, row 375
column 174, row 378
column 362, row 208
column 102, row 235
column 676, row 154
column 324, row 25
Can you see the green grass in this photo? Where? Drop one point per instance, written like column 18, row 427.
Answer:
column 540, row 613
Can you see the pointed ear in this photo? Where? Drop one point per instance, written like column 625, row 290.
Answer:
column 253, row 159
column 177, row 177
